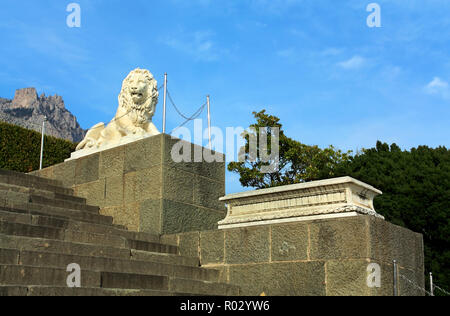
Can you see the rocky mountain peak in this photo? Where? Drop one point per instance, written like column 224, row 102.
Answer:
column 28, row 110
column 25, row 98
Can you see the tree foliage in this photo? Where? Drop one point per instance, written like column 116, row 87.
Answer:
column 416, row 195
column 297, row 162
column 20, row 149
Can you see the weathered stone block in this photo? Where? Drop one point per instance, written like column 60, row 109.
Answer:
column 48, row 173
column 280, row 279
column 247, row 245
column 87, row 169
column 131, row 217
column 148, row 184
column 179, row 217
column 167, row 159
column 342, row 238
column 347, row 278
column 111, row 162
column 150, row 216
column 208, row 192
column 143, row 154
column 65, row 173
column 178, row 185
column 169, row 239
column 114, row 191
column 213, row 170
column 289, row 242
column 212, row 247
column 129, row 187
column 189, row 244
column 389, row 242
column 93, row 192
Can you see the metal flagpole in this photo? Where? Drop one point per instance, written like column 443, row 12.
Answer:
column 165, row 98
column 209, row 121
column 431, row 284
column 42, row 143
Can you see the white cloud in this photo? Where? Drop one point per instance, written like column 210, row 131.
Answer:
column 355, row 62
column 438, row 87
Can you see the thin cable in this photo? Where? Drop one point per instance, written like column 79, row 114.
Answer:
column 415, row 285
column 441, row 289
column 176, row 108
column 193, row 117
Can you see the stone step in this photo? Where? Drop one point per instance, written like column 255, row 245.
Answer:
column 18, row 229
column 45, row 232
column 71, row 198
column 8, row 190
column 29, row 177
column 164, row 258
column 24, row 243
column 152, row 247
column 203, row 287
column 16, row 217
column 29, row 181
column 47, row 194
column 27, row 275
column 63, row 204
column 15, row 196
column 64, row 223
column 11, row 256
column 44, row 228
column 14, row 275
column 178, row 285
column 103, row 264
column 63, row 247
column 140, row 255
column 52, row 211
column 85, row 291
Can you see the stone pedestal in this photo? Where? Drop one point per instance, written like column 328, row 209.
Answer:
column 142, row 188
column 316, row 238
column 327, row 257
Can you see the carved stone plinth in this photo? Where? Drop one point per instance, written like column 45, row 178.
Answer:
column 340, row 197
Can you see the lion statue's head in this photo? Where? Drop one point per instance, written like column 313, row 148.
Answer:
column 139, row 94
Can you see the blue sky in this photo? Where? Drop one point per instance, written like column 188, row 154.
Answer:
column 313, row 63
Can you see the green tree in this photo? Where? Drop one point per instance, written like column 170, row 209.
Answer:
column 416, row 195
column 20, row 149
column 297, row 162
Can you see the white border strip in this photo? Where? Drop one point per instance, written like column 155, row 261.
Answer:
column 289, row 220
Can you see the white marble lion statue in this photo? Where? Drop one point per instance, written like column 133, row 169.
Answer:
column 133, row 120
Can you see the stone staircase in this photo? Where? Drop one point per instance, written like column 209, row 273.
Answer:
column 44, row 228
